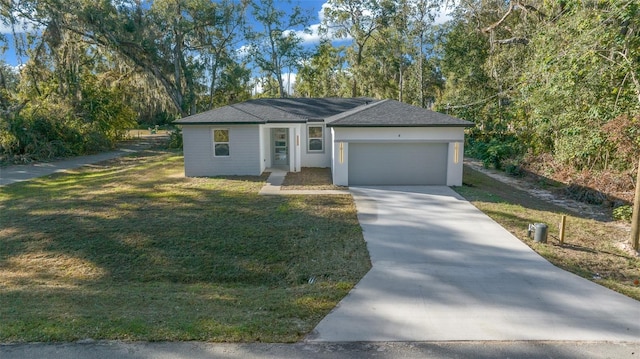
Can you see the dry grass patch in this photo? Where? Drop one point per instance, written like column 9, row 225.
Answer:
column 310, row 178
column 131, row 250
column 592, row 249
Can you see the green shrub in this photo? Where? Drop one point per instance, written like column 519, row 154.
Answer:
column 494, row 152
column 623, row 213
column 513, row 170
column 175, row 139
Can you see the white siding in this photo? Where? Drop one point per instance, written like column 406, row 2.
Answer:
column 244, row 149
column 315, row 159
column 265, row 147
column 454, row 163
column 344, row 136
column 368, row 134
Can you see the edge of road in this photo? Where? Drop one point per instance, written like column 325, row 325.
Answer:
column 356, row 350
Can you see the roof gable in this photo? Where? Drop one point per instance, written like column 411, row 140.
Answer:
column 391, row 113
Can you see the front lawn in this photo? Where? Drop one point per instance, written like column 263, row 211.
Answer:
column 310, row 178
column 130, row 249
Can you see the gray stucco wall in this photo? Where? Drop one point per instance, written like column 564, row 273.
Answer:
column 244, row 150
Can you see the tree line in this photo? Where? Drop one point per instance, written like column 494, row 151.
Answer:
column 556, row 81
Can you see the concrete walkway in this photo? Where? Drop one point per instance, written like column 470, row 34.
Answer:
column 444, row 271
column 19, row 173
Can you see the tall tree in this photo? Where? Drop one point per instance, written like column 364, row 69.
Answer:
column 216, row 40
column 200, row 42
column 275, row 46
column 160, row 39
column 322, row 73
column 421, row 28
column 583, row 75
column 483, row 58
column 360, row 21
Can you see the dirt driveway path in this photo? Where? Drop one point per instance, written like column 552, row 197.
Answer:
column 19, row 173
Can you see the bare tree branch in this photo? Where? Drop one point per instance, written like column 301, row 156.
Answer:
column 514, row 5
column 513, row 40
column 497, row 23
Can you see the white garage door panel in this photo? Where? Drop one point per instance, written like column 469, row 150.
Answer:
column 398, row 163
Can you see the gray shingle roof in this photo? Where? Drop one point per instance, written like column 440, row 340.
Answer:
column 281, row 110
column 336, row 112
column 391, row 113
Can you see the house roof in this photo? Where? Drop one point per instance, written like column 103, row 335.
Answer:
column 336, row 112
column 276, row 110
column 391, row 113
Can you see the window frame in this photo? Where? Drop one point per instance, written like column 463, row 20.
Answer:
column 228, row 142
column 321, row 138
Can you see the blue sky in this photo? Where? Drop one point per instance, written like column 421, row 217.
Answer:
column 10, row 56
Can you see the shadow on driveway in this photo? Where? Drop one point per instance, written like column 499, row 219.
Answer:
column 444, row 271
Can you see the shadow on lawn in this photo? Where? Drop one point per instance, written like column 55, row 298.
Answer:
column 585, row 201
column 577, row 192
column 147, row 225
column 131, row 249
column 497, row 192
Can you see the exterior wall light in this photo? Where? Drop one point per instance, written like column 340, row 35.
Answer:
column 456, row 152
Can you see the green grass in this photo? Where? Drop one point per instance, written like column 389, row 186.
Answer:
column 132, row 250
column 591, row 248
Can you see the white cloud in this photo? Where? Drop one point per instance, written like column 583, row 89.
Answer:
column 6, row 28
column 289, row 80
column 444, row 13
column 442, row 18
column 243, row 51
column 321, row 12
column 21, row 25
column 256, row 86
column 315, row 37
column 310, row 37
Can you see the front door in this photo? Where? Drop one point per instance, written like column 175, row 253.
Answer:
column 280, row 146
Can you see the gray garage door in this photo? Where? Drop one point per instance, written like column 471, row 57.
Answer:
column 398, row 163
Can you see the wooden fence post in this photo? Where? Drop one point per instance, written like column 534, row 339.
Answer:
column 635, row 221
column 562, row 223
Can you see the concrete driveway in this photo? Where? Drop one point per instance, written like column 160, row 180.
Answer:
column 444, row 271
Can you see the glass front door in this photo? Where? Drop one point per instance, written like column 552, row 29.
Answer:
column 280, row 141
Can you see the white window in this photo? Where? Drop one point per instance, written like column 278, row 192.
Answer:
column 315, row 139
column 221, row 143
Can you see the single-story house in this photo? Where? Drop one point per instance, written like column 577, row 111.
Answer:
column 364, row 141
